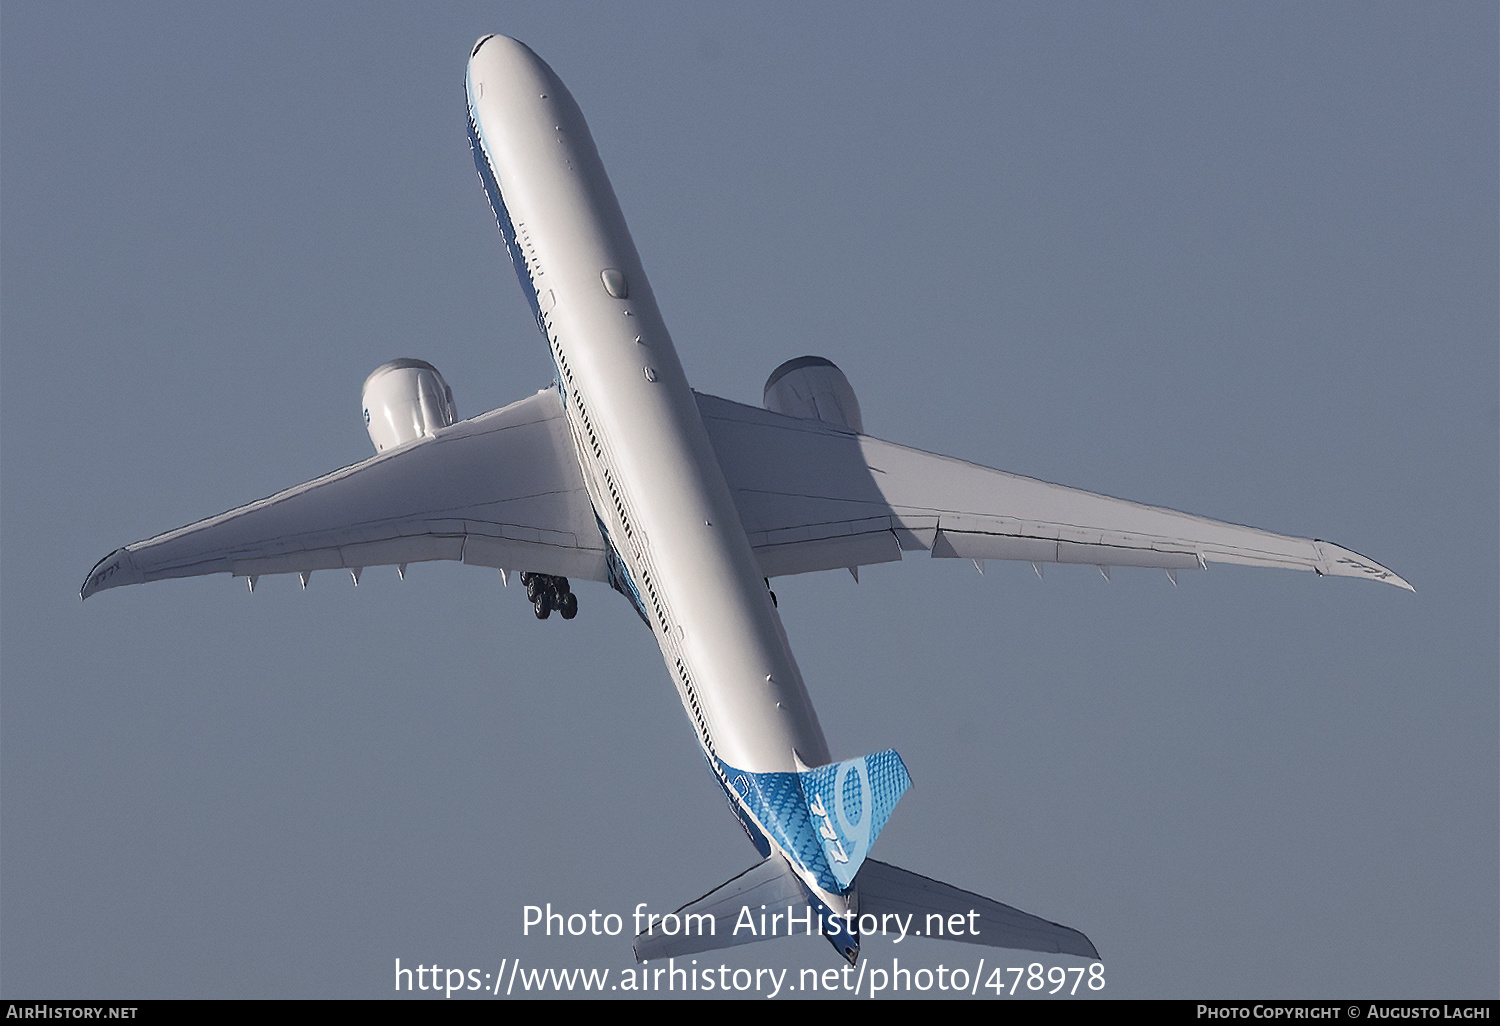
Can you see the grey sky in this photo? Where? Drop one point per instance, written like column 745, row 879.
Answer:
column 1234, row 259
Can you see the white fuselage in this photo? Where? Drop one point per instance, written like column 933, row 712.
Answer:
column 651, row 471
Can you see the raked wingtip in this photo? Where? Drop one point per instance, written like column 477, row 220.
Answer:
column 113, row 570
column 1338, row 561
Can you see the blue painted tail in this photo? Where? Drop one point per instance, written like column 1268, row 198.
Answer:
column 850, row 802
column 825, row 818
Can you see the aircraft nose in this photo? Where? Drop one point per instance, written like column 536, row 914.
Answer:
column 508, row 68
column 498, row 47
column 501, row 57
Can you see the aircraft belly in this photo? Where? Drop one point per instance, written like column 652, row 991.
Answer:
column 654, row 478
column 686, row 544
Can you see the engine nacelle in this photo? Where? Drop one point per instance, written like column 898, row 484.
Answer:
column 814, row 389
column 405, row 400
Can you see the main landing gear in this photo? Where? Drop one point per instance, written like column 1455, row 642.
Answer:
column 548, row 593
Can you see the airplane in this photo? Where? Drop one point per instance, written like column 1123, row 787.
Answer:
column 687, row 504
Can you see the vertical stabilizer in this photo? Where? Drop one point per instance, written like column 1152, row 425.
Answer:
column 825, row 819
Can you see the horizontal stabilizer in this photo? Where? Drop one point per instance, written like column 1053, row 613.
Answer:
column 885, row 888
column 709, row 922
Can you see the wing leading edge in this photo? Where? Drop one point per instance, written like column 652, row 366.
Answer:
column 501, row 490
column 815, row 498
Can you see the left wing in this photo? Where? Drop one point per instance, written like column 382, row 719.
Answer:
column 502, row 490
column 815, row 498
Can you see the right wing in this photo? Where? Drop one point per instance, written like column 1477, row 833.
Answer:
column 815, row 498
column 501, row 490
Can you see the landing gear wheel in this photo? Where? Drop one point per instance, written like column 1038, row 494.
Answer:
column 543, row 606
column 568, row 607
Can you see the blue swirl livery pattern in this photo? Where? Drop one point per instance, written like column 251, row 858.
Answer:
column 826, row 818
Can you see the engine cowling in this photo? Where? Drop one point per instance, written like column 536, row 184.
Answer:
column 814, row 389
column 405, row 400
